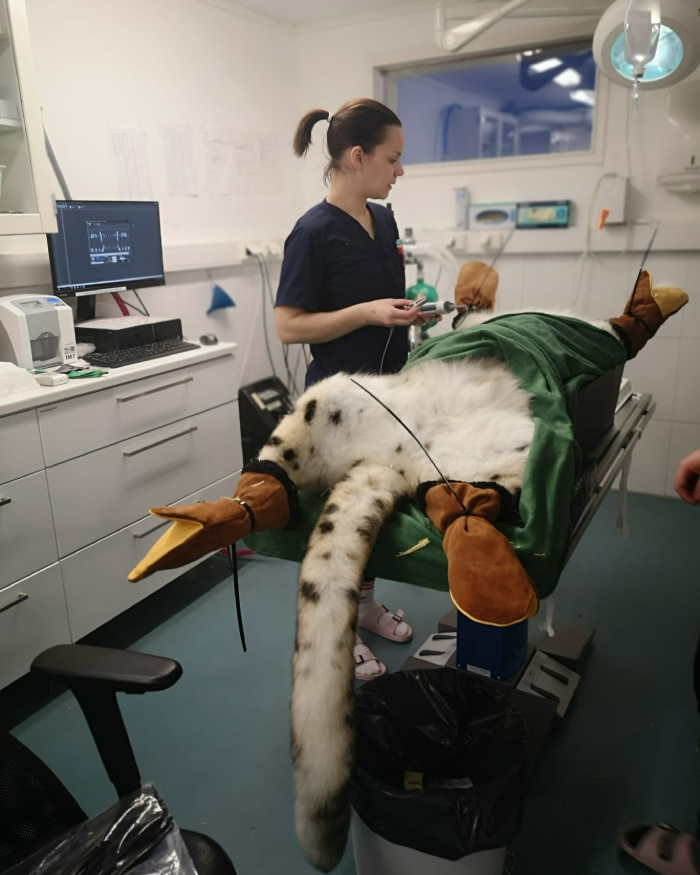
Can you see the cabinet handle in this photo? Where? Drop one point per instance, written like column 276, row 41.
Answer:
column 4, row 500
column 22, row 597
column 153, row 391
column 160, row 443
column 154, row 529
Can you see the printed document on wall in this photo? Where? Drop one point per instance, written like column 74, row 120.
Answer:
column 130, row 162
column 179, row 160
column 218, row 159
column 256, row 163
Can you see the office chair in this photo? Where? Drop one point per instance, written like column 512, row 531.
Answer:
column 35, row 807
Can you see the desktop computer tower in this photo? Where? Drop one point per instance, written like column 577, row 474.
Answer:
column 125, row 332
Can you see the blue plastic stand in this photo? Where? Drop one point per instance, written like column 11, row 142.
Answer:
column 220, row 299
column 491, row 651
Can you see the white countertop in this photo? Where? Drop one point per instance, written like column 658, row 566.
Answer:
column 129, row 373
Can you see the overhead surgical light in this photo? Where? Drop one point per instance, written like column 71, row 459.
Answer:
column 648, row 44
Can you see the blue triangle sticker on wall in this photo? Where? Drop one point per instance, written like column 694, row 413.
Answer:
column 220, row 299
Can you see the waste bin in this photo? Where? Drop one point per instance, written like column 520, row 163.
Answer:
column 440, row 773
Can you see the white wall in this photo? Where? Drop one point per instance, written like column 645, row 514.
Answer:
column 337, row 65
column 184, row 61
column 156, row 62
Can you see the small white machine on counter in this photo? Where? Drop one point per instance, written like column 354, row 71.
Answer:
column 36, row 331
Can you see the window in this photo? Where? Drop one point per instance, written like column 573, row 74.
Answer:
column 537, row 101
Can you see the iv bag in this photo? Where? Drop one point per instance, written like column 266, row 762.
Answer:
column 642, row 27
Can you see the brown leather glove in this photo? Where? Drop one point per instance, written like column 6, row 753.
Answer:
column 261, row 502
column 646, row 311
column 487, row 582
column 476, row 286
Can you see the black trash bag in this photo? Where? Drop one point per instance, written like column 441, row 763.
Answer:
column 137, row 835
column 441, row 761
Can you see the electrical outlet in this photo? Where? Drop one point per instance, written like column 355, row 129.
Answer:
column 273, row 248
column 254, row 247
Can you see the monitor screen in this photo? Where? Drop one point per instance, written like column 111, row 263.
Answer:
column 102, row 245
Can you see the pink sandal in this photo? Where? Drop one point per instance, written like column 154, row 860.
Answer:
column 363, row 656
column 663, row 848
column 382, row 621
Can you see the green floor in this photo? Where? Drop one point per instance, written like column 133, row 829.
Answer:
column 216, row 744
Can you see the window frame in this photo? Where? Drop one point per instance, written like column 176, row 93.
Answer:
column 380, row 65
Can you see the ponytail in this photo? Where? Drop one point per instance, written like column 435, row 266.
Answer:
column 302, row 137
column 361, row 122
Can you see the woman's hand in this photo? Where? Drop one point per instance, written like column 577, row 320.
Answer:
column 390, row 312
column 687, row 481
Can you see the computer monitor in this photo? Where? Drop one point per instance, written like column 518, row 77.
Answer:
column 105, row 246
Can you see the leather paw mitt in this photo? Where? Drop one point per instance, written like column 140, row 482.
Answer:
column 487, row 582
column 646, row 311
column 261, row 503
column 476, row 286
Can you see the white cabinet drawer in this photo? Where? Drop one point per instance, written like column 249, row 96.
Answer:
column 27, row 539
column 104, row 491
column 32, row 617
column 89, row 422
column 96, row 582
column 20, row 446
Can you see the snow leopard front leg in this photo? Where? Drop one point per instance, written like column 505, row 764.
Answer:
column 330, row 578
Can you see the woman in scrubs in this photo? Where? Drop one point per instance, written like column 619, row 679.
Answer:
column 343, row 286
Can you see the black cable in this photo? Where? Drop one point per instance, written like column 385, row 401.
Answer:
column 465, row 509
column 131, row 306
column 290, row 376
column 460, row 317
column 386, row 347
column 291, row 381
column 138, row 298
column 264, row 291
column 636, row 283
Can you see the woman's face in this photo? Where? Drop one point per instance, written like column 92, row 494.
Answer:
column 379, row 170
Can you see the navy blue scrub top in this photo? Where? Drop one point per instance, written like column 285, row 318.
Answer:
column 331, row 262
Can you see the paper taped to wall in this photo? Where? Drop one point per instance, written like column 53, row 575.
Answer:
column 179, row 160
column 130, row 162
column 256, row 163
column 218, row 159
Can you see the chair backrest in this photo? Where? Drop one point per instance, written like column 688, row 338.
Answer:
column 35, row 806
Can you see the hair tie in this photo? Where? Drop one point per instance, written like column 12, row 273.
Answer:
column 329, row 118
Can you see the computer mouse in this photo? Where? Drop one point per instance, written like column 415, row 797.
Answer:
column 208, row 339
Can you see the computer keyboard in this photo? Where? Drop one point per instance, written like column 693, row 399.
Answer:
column 122, row 357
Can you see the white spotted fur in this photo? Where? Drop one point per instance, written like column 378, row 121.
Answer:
column 474, row 419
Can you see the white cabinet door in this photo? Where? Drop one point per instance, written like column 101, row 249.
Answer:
column 97, row 494
column 96, row 582
column 32, row 617
column 20, row 446
column 90, row 422
column 26, row 187
column 27, row 538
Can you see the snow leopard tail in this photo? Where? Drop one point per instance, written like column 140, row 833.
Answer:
column 323, row 698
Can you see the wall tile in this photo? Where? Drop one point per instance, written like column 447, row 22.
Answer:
column 650, row 459
column 684, row 440
column 687, row 404
column 548, row 281
column 655, row 370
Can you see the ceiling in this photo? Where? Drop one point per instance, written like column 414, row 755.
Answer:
column 302, row 13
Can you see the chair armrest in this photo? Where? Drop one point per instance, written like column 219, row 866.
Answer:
column 107, row 669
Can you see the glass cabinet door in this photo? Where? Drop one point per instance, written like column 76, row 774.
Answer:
column 26, row 204
column 17, row 184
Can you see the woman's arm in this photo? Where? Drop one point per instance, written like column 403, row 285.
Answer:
column 296, row 325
